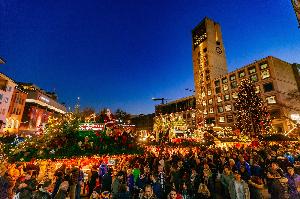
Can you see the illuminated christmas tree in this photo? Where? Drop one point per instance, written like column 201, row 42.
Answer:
column 252, row 117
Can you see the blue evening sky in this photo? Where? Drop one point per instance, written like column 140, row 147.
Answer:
column 121, row 53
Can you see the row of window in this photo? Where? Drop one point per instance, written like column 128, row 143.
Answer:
column 267, row 87
column 16, row 111
column 229, row 107
column 264, row 73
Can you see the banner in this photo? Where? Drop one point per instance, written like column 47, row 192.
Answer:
column 296, row 5
column 91, row 126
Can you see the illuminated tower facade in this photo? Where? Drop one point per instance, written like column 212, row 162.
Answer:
column 209, row 61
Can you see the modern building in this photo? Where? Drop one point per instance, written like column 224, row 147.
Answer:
column 7, row 86
column 216, row 89
column 38, row 107
column 183, row 109
column 143, row 122
column 15, row 112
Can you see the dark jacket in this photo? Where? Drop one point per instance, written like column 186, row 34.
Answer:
column 106, row 182
column 26, row 192
column 41, row 194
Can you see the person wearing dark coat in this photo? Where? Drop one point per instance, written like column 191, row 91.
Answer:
column 93, row 180
column 59, row 180
column 106, row 181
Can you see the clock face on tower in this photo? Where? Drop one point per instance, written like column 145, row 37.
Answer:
column 219, row 50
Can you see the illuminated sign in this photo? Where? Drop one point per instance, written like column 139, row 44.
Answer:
column 91, row 127
column 42, row 98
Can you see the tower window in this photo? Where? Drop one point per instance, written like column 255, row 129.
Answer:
column 232, row 77
column 218, row 43
column 263, row 66
column 224, row 80
column 241, row 74
column 229, row 118
column 217, row 83
column 233, row 85
column 254, row 78
column 268, row 87
column 252, row 70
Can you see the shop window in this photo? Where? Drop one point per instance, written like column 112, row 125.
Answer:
column 229, row 118
column 254, row 78
column 271, row 100
column 228, row 107
column 233, row 85
column 265, row 74
column 220, row 109
column 252, row 70
column 268, row 87
column 241, row 74
column 227, row 97
column 263, row 66
column 210, row 101
column 219, row 99
column 224, row 80
column 232, row 77
column 222, row 119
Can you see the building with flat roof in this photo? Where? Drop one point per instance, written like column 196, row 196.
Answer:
column 38, row 107
column 216, row 89
column 213, row 104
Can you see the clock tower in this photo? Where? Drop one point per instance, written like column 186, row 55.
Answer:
column 209, row 61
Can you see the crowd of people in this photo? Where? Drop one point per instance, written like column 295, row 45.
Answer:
column 163, row 173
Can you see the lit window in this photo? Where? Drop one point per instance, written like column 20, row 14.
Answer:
column 252, row 70
column 222, row 119
column 219, row 99
column 224, row 80
column 268, row 87
column 234, row 95
column 203, row 94
column 233, row 85
column 227, row 97
column 257, row 89
column 271, row 100
column 220, row 109
column 263, row 66
column 205, row 111
column 232, row 77
column 211, row 110
column 228, row 107
column 253, row 78
column 210, row 101
column 209, row 92
column 265, row 74
column 204, row 103
column 241, row 74
column 225, row 87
